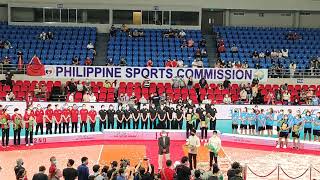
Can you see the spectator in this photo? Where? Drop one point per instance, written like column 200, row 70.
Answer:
column 243, row 95
column 6, row 61
column 150, row 63
column 22, row 175
column 286, row 97
column 112, row 30
column 168, row 63
column 43, row 91
column 184, row 44
column 37, row 91
column 222, row 49
column 182, row 34
column 229, row 64
column 104, row 172
column 90, row 45
column 123, row 62
column 19, row 167
column 234, row 49
column 174, row 63
column 107, row 84
column 92, row 98
column 87, row 86
column 88, row 62
column 190, row 43
column 109, row 62
column 43, row 36
column 315, row 100
column 10, row 96
column 75, row 60
column 206, row 100
column 233, row 171
column 121, row 175
column 190, row 82
column 255, row 55
column 86, row 97
column 167, row 173
column 227, row 99
column 54, row 172
column 125, row 28
column 83, row 170
column 183, row 171
column 96, row 175
column 135, row 33
column 292, row 68
column 70, row 173
column 146, row 82
column 226, row 83
column 203, row 82
column 274, row 54
column 270, row 98
column 72, row 87
column 267, row 53
column 197, row 63
column 237, row 65
column 41, row 174
column 285, row 53
column 180, row 63
column 245, row 65
column 114, row 166
column 262, row 55
column 204, row 52
column 197, row 175
column 143, row 100
column 71, row 97
column 202, row 43
column 216, row 173
column 79, row 86
column 50, row 35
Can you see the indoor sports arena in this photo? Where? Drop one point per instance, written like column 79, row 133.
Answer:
column 159, row 90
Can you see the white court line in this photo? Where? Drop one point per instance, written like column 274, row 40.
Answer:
column 100, row 154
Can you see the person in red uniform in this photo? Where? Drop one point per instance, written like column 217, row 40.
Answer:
column 92, row 117
column 57, row 113
column 29, row 100
column 48, row 119
column 74, row 119
column 39, row 113
column 5, row 125
column 65, row 118
column 17, row 125
column 83, row 118
column 29, row 121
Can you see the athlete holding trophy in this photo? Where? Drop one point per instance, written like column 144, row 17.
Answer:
column 17, row 125
column 214, row 146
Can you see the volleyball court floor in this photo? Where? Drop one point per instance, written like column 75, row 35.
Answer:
column 261, row 159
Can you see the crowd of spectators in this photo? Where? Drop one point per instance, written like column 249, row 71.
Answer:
column 124, row 170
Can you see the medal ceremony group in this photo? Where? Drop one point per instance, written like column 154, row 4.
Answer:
column 66, row 119
column 257, row 121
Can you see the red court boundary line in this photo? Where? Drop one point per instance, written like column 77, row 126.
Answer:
column 152, row 144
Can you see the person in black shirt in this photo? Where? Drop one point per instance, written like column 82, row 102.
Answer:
column 182, row 170
column 136, row 117
column 120, row 117
column 213, row 120
column 179, row 116
column 102, row 118
column 169, row 114
column 19, row 167
column 40, row 175
column 127, row 118
column 70, row 173
column 72, row 87
column 110, row 113
column 144, row 117
column 199, row 111
column 153, row 117
column 156, row 100
column 189, row 121
column 162, row 118
column 203, row 82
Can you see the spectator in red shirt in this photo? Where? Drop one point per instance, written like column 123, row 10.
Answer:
column 48, row 119
column 17, row 125
column 54, row 172
column 150, row 63
column 29, row 121
column 39, row 113
column 74, row 119
column 174, row 63
column 92, row 117
column 65, row 118
column 167, row 173
column 83, row 118
column 5, row 125
column 222, row 49
column 88, row 62
column 57, row 116
column 168, row 63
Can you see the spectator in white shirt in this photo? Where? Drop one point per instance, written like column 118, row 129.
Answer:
column 79, row 86
column 92, row 98
column 10, row 96
column 261, row 55
column 71, row 97
column 243, row 95
column 292, row 68
column 285, row 53
column 182, row 34
column 90, row 46
column 180, row 63
column 86, row 97
column 226, row 99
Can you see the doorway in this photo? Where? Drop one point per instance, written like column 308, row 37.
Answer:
column 137, row 18
column 210, row 18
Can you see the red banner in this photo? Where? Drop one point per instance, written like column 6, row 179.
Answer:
column 35, row 67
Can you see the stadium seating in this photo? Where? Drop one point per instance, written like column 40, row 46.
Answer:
column 67, row 43
column 153, row 45
column 260, row 39
column 212, row 91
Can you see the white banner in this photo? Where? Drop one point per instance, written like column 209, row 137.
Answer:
column 154, row 73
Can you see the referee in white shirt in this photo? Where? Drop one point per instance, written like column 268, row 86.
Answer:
column 193, row 143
